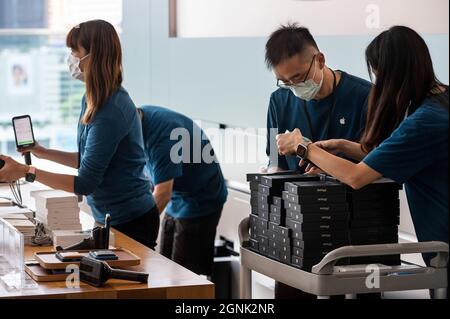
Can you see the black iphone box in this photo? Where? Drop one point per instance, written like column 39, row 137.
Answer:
column 286, row 249
column 263, row 214
column 323, row 235
column 254, row 186
column 277, row 201
column 310, row 253
column 254, row 201
column 268, row 191
column 370, row 205
column 262, row 224
column 319, row 199
column 273, row 244
column 274, row 253
column 274, row 227
column 277, row 210
column 277, row 181
column 262, row 198
column 285, row 258
column 317, row 208
column 277, row 219
column 392, row 221
column 263, row 241
column 373, row 232
column 256, row 177
column 315, row 218
column 375, row 214
column 304, row 264
column 317, row 226
column 263, row 207
column 323, row 244
column 314, row 188
column 298, row 234
column 254, row 245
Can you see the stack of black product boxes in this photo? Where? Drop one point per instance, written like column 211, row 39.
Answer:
column 298, row 219
column 375, row 216
column 269, row 234
column 318, row 216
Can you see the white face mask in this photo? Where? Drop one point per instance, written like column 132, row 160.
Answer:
column 74, row 67
column 308, row 89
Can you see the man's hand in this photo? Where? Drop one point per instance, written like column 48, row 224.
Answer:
column 12, row 171
column 287, row 143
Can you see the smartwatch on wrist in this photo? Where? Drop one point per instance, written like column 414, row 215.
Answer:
column 302, row 148
column 30, row 176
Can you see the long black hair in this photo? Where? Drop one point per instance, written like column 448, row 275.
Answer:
column 401, row 62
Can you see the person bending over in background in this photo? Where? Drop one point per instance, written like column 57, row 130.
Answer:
column 191, row 192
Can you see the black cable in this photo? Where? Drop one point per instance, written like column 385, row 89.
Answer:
column 16, row 191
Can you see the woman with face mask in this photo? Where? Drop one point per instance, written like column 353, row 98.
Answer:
column 110, row 158
column 406, row 134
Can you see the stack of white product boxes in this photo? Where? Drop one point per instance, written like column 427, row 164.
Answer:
column 58, row 210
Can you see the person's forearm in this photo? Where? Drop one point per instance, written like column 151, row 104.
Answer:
column 52, row 180
column 56, row 181
column 161, row 199
column 354, row 175
column 352, row 150
column 163, row 194
column 64, row 158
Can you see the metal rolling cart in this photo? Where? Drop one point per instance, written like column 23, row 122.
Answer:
column 327, row 280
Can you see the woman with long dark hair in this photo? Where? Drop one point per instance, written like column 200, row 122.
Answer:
column 406, row 134
column 110, row 158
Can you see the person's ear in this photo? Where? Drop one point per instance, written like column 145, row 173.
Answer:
column 321, row 60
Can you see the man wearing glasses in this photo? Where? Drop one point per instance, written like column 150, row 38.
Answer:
column 321, row 102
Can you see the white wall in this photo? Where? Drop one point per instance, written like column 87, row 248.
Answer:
column 251, row 18
column 223, row 79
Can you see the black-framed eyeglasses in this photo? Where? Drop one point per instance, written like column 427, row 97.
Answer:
column 284, row 85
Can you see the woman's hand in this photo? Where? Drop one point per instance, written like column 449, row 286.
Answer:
column 37, row 150
column 12, row 171
column 331, row 146
column 287, row 143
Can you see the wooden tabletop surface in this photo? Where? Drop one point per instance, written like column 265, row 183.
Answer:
column 166, row 278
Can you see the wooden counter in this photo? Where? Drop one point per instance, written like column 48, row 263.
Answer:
column 166, row 278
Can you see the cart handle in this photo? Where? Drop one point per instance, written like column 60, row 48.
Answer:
column 325, row 267
column 244, row 227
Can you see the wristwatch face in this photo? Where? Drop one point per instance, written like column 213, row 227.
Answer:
column 301, row 151
column 30, row 177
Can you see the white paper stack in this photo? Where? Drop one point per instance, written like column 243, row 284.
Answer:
column 58, row 210
column 5, row 202
column 24, row 226
column 66, row 238
column 6, row 211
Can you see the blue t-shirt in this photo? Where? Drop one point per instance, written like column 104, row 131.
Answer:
column 112, row 162
column 347, row 121
column 416, row 154
column 199, row 187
